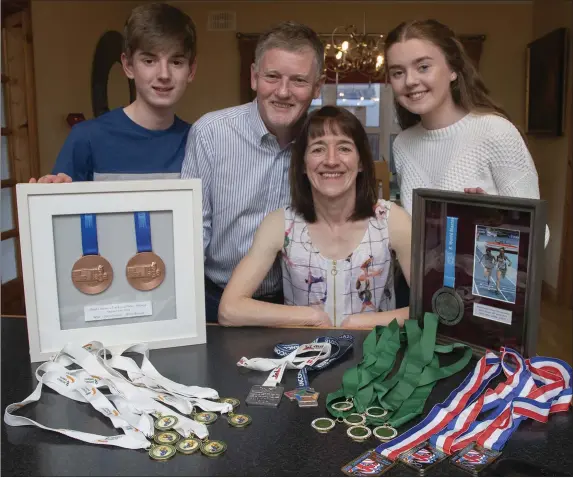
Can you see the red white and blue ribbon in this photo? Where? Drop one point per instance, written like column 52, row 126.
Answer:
column 473, row 385
column 533, row 389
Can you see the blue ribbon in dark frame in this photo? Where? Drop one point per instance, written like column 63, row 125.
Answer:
column 450, row 259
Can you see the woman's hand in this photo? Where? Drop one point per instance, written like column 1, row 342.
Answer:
column 474, row 191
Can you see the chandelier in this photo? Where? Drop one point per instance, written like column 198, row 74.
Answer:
column 352, row 52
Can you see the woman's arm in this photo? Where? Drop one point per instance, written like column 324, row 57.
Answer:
column 400, row 232
column 237, row 306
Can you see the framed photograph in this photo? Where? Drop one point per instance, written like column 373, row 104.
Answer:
column 546, row 73
column 115, row 262
column 477, row 264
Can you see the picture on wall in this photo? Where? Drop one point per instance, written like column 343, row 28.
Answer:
column 546, row 80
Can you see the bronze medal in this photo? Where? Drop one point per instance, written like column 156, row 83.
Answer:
column 145, row 271
column 92, row 274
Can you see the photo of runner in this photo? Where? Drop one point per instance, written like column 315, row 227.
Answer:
column 495, row 263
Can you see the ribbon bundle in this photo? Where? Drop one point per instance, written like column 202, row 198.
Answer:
column 473, row 413
column 79, row 373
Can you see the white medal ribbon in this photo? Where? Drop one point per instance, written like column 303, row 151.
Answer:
column 294, row 360
column 79, row 388
column 132, row 403
column 184, row 398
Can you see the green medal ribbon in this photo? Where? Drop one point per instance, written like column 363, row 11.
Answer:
column 405, row 393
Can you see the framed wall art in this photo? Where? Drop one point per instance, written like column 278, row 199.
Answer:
column 546, row 64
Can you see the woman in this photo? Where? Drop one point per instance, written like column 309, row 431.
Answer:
column 501, row 261
column 335, row 240
column 454, row 136
column 488, row 262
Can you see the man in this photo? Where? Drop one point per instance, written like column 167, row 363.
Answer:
column 144, row 139
column 242, row 154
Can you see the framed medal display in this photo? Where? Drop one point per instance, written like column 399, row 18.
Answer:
column 477, row 264
column 114, row 262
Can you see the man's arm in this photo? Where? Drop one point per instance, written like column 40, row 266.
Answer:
column 198, row 164
column 237, row 305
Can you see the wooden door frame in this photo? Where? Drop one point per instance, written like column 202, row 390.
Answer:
column 18, row 85
column 565, row 279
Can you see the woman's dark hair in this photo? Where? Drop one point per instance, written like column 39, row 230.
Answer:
column 319, row 123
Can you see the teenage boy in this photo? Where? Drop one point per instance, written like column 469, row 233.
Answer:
column 144, row 140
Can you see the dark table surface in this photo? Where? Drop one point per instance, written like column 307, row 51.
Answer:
column 278, row 442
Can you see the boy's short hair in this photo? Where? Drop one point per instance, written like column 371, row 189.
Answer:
column 159, row 26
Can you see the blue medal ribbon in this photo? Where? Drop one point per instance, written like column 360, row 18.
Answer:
column 450, row 259
column 89, row 235
column 340, row 346
column 142, row 231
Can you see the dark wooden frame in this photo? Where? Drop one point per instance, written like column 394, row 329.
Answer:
column 545, row 106
column 538, row 211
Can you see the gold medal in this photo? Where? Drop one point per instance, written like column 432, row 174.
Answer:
column 166, row 422
column 385, row 432
column 343, row 406
column 359, row 433
column 239, row 420
column 376, row 412
column 167, row 437
column 323, row 425
column 235, row 402
column 354, row 419
column 188, row 446
column 162, row 452
column 213, row 447
column 205, row 417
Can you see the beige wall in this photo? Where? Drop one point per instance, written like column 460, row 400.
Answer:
column 66, row 32
column 550, row 154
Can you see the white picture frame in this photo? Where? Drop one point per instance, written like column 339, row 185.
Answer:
column 38, row 207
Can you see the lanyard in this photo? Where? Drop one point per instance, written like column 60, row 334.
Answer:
column 340, row 346
column 531, row 390
column 313, row 352
column 450, row 252
column 534, row 389
column 487, row 368
column 131, row 405
column 379, row 354
column 402, row 397
column 89, row 235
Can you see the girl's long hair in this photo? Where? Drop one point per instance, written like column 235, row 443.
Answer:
column 468, row 89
